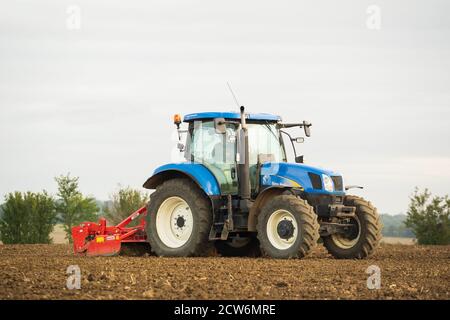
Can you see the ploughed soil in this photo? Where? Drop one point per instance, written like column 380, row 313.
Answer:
column 407, row 272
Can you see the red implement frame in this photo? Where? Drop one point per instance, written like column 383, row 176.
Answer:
column 97, row 239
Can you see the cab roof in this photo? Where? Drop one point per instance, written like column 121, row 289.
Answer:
column 231, row 116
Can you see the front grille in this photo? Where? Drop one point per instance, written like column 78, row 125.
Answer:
column 316, row 181
column 337, row 180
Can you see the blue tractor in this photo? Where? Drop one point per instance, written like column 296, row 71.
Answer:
column 237, row 191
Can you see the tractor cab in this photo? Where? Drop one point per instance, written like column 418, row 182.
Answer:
column 220, row 147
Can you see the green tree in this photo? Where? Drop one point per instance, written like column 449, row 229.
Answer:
column 429, row 217
column 123, row 203
column 27, row 218
column 43, row 217
column 72, row 207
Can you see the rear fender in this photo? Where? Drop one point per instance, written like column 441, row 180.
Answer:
column 198, row 173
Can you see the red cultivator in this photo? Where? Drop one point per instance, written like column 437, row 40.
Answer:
column 97, row 239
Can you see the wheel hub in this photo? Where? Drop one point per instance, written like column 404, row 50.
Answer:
column 180, row 222
column 282, row 229
column 285, row 229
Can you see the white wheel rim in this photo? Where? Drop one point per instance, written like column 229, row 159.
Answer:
column 272, row 229
column 344, row 243
column 174, row 222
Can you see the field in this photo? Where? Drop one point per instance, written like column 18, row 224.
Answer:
column 407, row 272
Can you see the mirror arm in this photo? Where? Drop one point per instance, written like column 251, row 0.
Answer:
column 292, row 125
column 353, row 187
column 305, row 125
column 289, row 125
column 292, row 142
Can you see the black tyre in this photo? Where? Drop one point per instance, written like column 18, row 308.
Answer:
column 363, row 238
column 287, row 228
column 179, row 220
column 238, row 247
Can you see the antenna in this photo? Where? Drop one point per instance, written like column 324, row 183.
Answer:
column 232, row 93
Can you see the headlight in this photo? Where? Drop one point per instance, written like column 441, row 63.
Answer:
column 327, row 183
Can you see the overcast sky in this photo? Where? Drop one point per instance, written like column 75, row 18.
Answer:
column 97, row 101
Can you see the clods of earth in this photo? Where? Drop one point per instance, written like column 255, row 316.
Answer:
column 405, row 272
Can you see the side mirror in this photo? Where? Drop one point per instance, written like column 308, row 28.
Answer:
column 220, row 125
column 299, row 159
column 298, row 139
column 306, row 126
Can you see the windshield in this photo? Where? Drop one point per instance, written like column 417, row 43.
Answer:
column 264, row 139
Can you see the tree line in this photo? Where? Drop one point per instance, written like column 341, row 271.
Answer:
column 394, row 226
column 28, row 217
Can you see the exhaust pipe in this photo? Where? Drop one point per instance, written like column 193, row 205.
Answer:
column 244, row 164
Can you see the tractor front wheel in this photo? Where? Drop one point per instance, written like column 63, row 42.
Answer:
column 362, row 238
column 287, row 227
column 179, row 219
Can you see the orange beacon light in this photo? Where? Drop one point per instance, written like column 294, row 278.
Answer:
column 177, row 120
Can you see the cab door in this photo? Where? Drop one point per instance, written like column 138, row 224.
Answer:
column 217, row 152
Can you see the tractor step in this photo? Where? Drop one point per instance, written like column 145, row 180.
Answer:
column 219, row 231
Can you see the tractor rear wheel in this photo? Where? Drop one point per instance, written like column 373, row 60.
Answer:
column 238, row 247
column 287, row 227
column 361, row 240
column 179, row 219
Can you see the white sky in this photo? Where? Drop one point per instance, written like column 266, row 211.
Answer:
column 98, row 101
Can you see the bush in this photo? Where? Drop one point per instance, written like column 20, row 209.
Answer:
column 429, row 218
column 27, row 218
column 123, row 203
column 72, row 207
